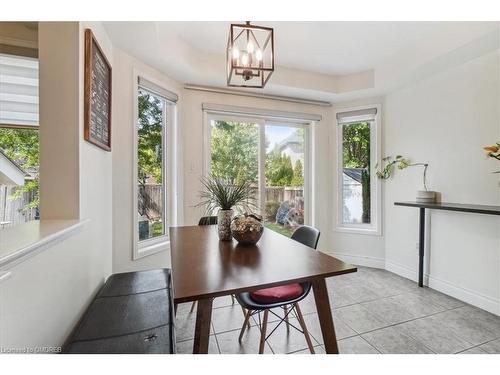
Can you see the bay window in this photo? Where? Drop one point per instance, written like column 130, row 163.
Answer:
column 357, row 154
column 155, row 115
column 271, row 152
column 19, row 141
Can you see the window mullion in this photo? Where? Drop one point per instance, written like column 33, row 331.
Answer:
column 262, row 166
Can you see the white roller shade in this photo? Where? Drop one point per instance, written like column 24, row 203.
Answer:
column 158, row 90
column 18, row 90
column 367, row 114
column 261, row 113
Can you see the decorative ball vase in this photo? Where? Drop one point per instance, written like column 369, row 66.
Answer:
column 247, row 229
column 224, row 224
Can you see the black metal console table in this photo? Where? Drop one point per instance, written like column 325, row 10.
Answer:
column 471, row 208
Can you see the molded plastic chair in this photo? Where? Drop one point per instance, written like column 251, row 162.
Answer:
column 308, row 236
column 208, row 220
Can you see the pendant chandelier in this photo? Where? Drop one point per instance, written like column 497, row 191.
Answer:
column 249, row 55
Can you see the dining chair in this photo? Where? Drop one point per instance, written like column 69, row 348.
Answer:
column 205, row 220
column 212, row 220
column 286, row 297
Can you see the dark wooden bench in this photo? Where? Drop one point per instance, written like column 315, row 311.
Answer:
column 132, row 313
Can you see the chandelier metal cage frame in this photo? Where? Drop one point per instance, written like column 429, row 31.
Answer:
column 245, row 67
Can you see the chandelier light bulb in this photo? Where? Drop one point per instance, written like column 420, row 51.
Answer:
column 244, row 59
column 250, row 47
column 258, row 55
column 236, row 53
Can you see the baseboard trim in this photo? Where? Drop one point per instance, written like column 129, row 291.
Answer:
column 359, row 260
column 463, row 294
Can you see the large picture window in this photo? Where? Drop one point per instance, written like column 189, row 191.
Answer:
column 272, row 155
column 19, row 142
column 151, row 134
column 358, row 199
column 155, row 115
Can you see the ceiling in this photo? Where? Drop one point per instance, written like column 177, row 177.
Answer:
column 317, row 60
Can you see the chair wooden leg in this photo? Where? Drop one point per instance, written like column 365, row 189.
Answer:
column 285, row 309
column 247, row 322
column 304, row 328
column 193, row 305
column 247, row 318
column 232, row 299
column 263, row 332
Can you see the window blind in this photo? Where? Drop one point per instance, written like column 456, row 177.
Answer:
column 357, row 115
column 158, row 90
column 18, row 90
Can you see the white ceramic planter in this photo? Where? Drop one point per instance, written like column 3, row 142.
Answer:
column 425, row 196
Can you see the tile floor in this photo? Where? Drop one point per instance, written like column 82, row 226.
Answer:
column 374, row 311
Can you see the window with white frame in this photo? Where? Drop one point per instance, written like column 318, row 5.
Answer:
column 19, row 143
column 155, row 113
column 357, row 153
column 271, row 153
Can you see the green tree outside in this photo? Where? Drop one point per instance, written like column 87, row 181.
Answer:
column 356, row 154
column 150, row 148
column 22, row 146
column 234, row 149
column 298, row 177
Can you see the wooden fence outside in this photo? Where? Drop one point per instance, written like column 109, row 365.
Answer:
column 11, row 210
column 150, row 198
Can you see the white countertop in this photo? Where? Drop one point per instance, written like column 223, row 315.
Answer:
column 21, row 241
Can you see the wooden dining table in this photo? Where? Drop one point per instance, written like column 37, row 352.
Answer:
column 203, row 267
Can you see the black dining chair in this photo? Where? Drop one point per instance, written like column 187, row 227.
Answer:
column 212, row 220
column 286, row 297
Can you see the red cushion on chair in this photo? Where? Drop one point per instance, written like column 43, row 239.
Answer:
column 281, row 293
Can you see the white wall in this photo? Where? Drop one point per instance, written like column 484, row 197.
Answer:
column 96, row 172
column 445, row 120
column 46, row 295
column 122, row 144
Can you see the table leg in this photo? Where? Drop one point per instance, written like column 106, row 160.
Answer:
column 325, row 316
column 202, row 328
column 421, row 247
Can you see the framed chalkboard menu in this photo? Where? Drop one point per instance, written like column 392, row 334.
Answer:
column 97, row 95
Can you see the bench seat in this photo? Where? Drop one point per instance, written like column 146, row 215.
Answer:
column 133, row 313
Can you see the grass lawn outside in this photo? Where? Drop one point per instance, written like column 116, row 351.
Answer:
column 285, row 231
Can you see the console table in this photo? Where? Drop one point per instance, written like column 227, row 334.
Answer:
column 471, row 208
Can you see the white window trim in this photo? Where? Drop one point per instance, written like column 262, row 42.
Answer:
column 374, row 228
column 261, row 120
column 161, row 243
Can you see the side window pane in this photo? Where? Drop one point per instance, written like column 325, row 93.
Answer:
column 234, row 157
column 356, row 173
column 150, row 158
column 284, row 173
column 19, row 166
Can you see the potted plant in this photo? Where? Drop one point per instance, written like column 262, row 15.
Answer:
column 402, row 163
column 224, row 196
column 493, row 152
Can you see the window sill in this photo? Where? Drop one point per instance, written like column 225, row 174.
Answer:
column 151, row 248
column 23, row 241
column 359, row 230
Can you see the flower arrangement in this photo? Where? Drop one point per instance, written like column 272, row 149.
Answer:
column 401, row 163
column 493, row 152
